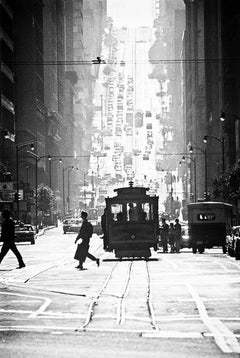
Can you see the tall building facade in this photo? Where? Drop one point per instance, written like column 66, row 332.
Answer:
column 39, row 86
column 7, row 90
column 212, row 86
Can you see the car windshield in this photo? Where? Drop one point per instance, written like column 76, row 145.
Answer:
column 23, row 228
column 75, row 221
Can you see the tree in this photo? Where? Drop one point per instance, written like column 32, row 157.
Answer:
column 227, row 187
column 45, row 198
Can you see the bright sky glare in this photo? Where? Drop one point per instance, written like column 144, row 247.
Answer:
column 130, row 13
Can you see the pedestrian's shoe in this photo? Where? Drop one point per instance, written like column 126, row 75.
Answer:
column 81, row 268
column 78, row 267
column 98, row 262
column 21, row 265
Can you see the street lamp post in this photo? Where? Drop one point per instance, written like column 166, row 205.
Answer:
column 195, row 173
column 63, row 171
column 222, row 141
column 50, row 167
column 63, row 177
column 18, row 148
column 205, row 164
column 69, row 196
column 37, row 159
column 223, row 116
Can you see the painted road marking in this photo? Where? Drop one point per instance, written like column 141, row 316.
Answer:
column 144, row 334
column 229, row 343
column 172, row 334
column 39, row 310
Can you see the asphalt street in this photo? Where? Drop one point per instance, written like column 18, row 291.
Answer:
column 174, row 305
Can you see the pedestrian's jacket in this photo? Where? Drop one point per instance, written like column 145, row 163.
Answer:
column 85, row 232
column 164, row 231
column 8, row 231
column 178, row 231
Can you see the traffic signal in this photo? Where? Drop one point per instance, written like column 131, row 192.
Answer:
column 17, row 196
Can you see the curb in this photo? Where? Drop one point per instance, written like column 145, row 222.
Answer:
column 44, row 229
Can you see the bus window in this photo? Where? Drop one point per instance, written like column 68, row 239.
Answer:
column 117, row 212
column 206, row 217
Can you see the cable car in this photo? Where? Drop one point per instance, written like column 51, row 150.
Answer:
column 132, row 222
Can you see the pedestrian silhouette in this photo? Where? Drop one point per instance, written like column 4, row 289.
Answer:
column 164, row 233
column 8, row 238
column 171, row 235
column 84, row 235
column 178, row 235
column 104, row 229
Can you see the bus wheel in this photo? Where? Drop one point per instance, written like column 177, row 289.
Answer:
column 194, row 250
column 224, row 249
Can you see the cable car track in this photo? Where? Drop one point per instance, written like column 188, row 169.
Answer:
column 149, row 300
column 121, row 305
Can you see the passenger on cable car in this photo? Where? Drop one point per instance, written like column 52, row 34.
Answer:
column 120, row 216
column 104, row 229
column 133, row 214
column 143, row 214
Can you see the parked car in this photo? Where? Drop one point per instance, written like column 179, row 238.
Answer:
column 24, row 232
column 233, row 242
column 71, row 225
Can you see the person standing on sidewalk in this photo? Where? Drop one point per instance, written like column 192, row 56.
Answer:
column 8, row 238
column 85, row 233
column 164, row 233
column 178, row 235
column 171, row 234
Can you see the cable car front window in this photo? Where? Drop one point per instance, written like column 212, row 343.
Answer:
column 117, row 212
column 147, row 211
column 132, row 212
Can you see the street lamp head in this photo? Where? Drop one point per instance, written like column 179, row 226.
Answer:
column 205, row 139
column 49, row 157
column 222, row 116
column 180, row 163
column 32, row 147
column 183, row 158
column 191, row 149
column 60, row 160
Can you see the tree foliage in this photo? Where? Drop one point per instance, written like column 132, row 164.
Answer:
column 227, row 187
column 45, row 198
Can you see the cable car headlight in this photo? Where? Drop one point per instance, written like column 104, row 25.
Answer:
column 132, row 236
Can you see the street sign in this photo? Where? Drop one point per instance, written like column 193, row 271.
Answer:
column 6, row 186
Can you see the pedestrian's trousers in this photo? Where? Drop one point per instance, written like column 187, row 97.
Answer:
column 10, row 246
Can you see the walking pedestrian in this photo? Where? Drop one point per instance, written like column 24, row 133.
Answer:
column 8, row 238
column 164, row 232
column 84, row 235
column 171, row 234
column 178, row 235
